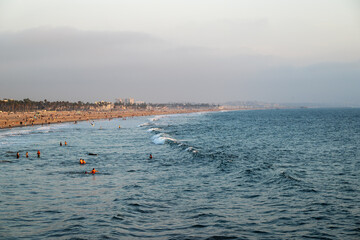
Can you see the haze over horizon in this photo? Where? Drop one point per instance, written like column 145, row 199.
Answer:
column 181, row 51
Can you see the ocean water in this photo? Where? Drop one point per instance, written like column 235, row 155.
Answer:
column 263, row 174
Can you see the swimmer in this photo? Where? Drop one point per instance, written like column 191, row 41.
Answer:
column 38, row 153
column 17, row 155
column 27, row 154
column 93, row 171
column 150, row 157
column 82, row 161
column 60, row 143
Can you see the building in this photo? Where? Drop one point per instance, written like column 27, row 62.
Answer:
column 129, row 101
column 119, row 100
column 103, row 105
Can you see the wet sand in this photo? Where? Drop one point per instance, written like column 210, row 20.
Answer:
column 20, row 119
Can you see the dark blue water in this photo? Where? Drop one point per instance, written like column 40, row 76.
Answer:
column 266, row 174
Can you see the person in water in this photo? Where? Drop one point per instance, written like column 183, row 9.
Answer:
column 65, row 143
column 150, row 157
column 60, row 143
column 93, row 171
column 27, row 154
column 82, row 161
column 17, row 155
column 38, row 153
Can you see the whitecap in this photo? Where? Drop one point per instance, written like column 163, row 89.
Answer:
column 154, row 129
column 43, row 128
column 15, row 133
column 156, row 118
column 161, row 139
column 144, row 124
column 191, row 149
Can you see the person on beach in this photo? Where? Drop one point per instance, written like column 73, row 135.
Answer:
column 26, row 154
column 17, row 155
column 38, row 153
column 82, row 161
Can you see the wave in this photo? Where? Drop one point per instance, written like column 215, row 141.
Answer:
column 144, row 124
column 154, row 130
column 16, row 133
column 190, row 149
column 287, row 176
column 156, row 118
column 43, row 128
column 162, row 138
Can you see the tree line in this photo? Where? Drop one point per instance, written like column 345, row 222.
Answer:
column 27, row 105
column 183, row 105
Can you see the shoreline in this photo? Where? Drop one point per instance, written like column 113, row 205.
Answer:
column 25, row 119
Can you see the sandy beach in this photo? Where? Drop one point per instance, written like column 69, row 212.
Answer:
column 20, row 119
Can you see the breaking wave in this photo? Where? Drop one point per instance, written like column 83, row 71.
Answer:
column 162, row 138
column 144, row 124
column 154, row 130
column 15, row 133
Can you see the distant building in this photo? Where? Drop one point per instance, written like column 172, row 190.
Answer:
column 129, row 100
column 118, row 100
column 103, row 105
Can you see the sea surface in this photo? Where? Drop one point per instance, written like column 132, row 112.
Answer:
column 260, row 174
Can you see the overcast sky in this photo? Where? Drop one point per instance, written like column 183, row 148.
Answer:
column 181, row 50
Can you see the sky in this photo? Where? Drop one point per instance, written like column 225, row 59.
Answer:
column 279, row 51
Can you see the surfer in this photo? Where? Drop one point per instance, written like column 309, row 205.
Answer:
column 38, row 153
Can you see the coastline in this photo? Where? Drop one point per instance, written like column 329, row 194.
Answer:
column 22, row 119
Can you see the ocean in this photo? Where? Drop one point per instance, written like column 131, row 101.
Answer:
column 254, row 174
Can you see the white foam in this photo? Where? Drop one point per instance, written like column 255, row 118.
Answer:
column 144, row 124
column 156, row 118
column 191, row 149
column 15, row 133
column 44, row 129
column 161, row 139
column 154, row 129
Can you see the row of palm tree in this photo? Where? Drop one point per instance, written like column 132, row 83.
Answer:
column 27, row 105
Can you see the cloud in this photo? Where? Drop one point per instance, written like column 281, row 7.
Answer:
column 68, row 64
